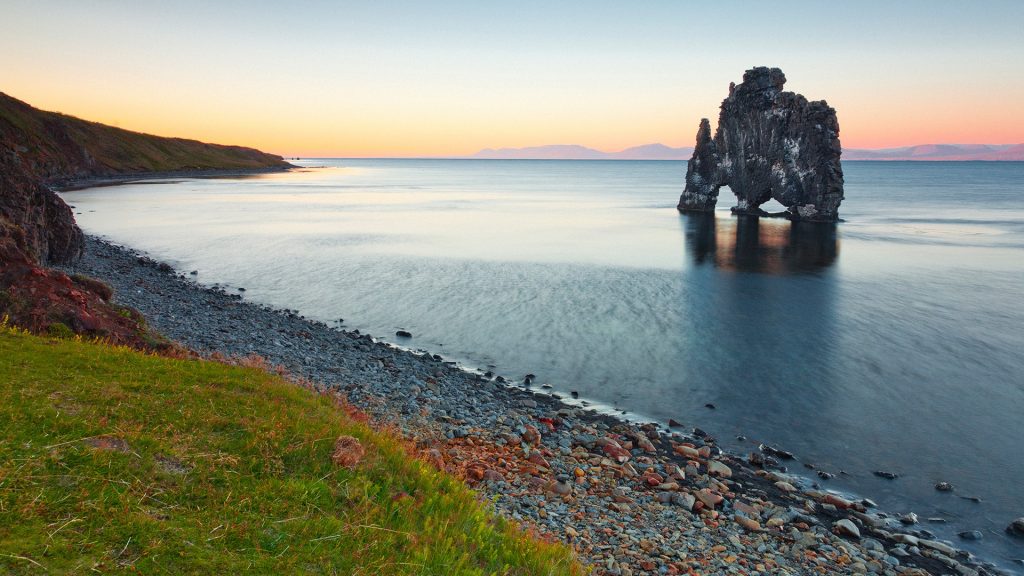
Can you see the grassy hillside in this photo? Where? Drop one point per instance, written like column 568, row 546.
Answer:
column 55, row 147
column 111, row 460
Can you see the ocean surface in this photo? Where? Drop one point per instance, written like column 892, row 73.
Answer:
column 892, row 341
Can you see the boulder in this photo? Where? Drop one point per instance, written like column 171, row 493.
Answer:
column 716, row 468
column 846, row 527
column 684, row 500
column 1016, row 528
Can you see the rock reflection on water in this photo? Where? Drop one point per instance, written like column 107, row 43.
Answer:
column 752, row 244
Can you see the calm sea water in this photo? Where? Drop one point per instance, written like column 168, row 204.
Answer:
column 892, row 341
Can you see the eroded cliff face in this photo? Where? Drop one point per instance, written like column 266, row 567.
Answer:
column 49, row 301
column 45, row 225
column 769, row 144
column 36, row 227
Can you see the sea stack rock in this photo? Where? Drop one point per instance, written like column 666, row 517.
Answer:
column 769, row 144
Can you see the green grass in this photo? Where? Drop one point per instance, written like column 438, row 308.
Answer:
column 116, row 461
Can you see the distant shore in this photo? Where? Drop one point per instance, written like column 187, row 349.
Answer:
column 630, row 498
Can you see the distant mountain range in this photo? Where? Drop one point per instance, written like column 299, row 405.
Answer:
column 933, row 152
column 575, row 152
column 941, row 152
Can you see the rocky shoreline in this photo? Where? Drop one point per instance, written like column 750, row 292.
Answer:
column 630, row 498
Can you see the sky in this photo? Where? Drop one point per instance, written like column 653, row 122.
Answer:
column 404, row 78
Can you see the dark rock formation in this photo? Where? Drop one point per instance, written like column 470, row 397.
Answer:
column 42, row 221
column 769, row 144
column 703, row 175
column 49, row 301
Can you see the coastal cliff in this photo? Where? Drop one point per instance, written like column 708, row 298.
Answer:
column 59, row 149
column 41, row 149
column 34, row 217
column 769, row 144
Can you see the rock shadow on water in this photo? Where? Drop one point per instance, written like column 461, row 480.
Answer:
column 751, row 244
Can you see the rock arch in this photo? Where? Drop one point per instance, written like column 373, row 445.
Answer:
column 769, row 144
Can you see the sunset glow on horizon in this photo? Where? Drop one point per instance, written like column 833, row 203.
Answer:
column 411, row 79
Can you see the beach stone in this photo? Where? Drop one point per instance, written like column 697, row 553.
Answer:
column 531, row 436
column 653, row 479
column 745, row 508
column 837, row 501
column 561, row 488
column 1016, row 528
column 909, row 519
column 776, row 452
column 756, row 459
column 709, row 498
column 846, row 527
column 646, row 445
column 971, row 535
column 686, row 451
column 620, row 506
column 939, row 546
column 748, row 523
column 907, row 539
column 716, row 468
column 536, row 458
column 615, row 451
column 684, row 500
column 785, row 486
column 944, row 487
column 492, row 475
